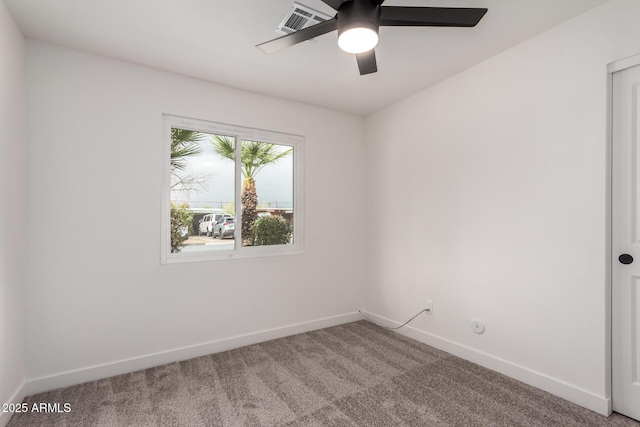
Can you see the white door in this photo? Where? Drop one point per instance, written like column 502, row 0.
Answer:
column 626, row 242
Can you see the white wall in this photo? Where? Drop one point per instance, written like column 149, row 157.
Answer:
column 96, row 290
column 12, row 211
column 497, row 178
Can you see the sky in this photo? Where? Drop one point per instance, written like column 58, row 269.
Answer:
column 274, row 183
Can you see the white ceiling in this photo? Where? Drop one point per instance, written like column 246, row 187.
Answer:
column 214, row 40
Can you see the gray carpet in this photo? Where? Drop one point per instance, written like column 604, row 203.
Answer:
column 351, row 375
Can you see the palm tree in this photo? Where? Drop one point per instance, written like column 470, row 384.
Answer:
column 184, row 144
column 255, row 156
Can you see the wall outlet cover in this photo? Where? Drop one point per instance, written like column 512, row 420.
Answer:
column 428, row 306
column 477, row 326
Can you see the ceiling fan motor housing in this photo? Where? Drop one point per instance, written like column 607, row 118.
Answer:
column 358, row 13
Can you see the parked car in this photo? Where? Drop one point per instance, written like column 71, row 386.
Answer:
column 208, row 222
column 224, row 227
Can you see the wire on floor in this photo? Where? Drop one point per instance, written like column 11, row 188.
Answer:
column 387, row 327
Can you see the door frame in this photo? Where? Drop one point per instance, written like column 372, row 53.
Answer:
column 612, row 68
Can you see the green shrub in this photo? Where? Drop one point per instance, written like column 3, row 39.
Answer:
column 271, row 230
column 181, row 220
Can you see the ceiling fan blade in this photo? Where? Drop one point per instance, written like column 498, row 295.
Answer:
column 299, row 36
column 367, row 62
column 335, row 4
column 430, row 16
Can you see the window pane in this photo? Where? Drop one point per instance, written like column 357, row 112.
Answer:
column 202, row 191
column 267, row 194
column 211, row 163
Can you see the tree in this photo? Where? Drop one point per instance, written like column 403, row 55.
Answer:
column 255, row 156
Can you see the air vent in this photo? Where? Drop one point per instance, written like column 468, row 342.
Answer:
column 300, row 17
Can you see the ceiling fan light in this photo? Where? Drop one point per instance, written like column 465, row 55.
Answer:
column 358, row 40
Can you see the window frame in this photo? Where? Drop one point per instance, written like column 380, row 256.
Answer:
column 240, row 133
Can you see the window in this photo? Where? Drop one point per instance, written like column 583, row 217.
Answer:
column 229, row 191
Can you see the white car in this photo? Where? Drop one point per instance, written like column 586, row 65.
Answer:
column 207, row 222
column 224, row 227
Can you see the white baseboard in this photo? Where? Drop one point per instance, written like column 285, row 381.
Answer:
column 65, row 379
column 17, row 397
column 577, row 395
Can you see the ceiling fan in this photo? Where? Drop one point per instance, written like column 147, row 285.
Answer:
column 357, row 22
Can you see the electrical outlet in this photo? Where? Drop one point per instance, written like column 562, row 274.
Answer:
column 428, row 306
